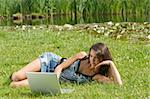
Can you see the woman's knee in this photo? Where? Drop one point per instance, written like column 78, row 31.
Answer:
column 15, row 76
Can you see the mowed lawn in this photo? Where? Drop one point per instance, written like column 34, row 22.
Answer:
column 18, row 48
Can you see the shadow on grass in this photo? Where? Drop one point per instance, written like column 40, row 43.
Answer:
column 30, row 94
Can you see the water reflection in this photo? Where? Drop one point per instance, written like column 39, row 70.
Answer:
column 66, row 19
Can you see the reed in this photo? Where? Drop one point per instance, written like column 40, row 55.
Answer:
column 80, row 7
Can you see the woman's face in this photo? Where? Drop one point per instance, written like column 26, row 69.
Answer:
column 93, row 59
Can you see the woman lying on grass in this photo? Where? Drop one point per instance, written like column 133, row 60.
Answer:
column 98, row 65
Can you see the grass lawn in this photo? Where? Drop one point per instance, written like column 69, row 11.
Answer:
column 17, row 48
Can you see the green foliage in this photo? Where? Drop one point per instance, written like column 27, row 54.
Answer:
column 18, row 48
column 84, row 7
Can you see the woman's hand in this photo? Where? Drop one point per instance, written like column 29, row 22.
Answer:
column 80, row 55
column 58, row 71
column 106, row 62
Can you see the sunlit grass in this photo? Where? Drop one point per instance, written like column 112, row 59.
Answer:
column 17, row 48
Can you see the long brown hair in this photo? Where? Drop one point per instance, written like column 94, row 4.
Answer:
column 102, row 54
column 102, row 51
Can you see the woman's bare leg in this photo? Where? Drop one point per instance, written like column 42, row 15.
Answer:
column 31, row 67
column 22, row 83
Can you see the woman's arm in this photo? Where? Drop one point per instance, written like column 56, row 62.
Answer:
column 113, row 72
column 102, row 79
column 68, row 62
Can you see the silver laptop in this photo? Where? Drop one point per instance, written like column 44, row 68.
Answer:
column 45, row 83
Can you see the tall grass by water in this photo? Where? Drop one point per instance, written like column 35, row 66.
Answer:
column 19, row 47
column 80, row 7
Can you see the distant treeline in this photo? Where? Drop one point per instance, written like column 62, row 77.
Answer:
column 75, row 7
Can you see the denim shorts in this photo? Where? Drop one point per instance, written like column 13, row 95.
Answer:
column 49, row 61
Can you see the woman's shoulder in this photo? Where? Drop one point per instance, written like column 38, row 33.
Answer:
column 80, row 55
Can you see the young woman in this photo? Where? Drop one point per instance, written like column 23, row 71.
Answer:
column 82, row 67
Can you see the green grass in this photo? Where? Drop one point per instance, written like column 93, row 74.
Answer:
column 17, row 48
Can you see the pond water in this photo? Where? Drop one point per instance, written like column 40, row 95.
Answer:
column 66, row 19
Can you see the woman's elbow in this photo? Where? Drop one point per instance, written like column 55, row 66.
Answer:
column 120, row 83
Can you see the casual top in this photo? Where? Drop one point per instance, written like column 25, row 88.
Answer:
column 49, row 61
